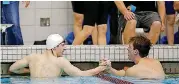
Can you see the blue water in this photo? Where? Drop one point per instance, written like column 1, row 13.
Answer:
column 83, row 80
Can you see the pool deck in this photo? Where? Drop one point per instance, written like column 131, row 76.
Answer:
column 90, row 53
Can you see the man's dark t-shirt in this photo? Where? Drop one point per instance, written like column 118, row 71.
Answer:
column 143, row 5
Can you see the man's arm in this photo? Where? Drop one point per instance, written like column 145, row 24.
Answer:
column 19, row 66
column 74, row 71
column 128, row 15
column 120, row 5
column 162, row 12
column 125, row 72
column 116, row 72
column 131, row 72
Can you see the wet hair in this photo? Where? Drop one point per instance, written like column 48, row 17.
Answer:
column 142, row 44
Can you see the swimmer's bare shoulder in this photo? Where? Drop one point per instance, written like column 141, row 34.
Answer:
column 132, row 71
column 155, row 62
column 33, row 56
column 62, row 61
column 159, row 66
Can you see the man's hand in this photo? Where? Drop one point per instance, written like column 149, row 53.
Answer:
column 125, row 68
column 26, row 70
column 109, row 63
column 128, row 15
column 103, row 62
column 26, row 3
column 163, row 27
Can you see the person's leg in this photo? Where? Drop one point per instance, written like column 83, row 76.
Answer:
column 10, row 37
column 102, row 22
column 82, row 35
column 170, row 20
column 102, row 29
column 78, row 21
column 3, row 21
column 170, row 28
column 129, row 30
column 89, row 22
column 78, row 12
column 95, row 35
column 151, row 21
column 78, row 16
column 14, row 35
column 154, row 32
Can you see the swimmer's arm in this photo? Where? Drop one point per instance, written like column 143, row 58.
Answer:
column 127, row 72
column 116, row 72
column 74, row 71
column 131, row 72
column 19, row 66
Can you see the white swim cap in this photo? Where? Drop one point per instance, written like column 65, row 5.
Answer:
column 53, row 41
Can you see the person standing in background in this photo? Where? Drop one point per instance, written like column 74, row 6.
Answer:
column 170, row 20
column 10, row 15
column 149, row 15
column 96, row 12
column 78, row 14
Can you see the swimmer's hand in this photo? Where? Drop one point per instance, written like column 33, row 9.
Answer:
column 103, row 62
column 26, row 70
column 107, row 63
column 20, row 71
column 162, row 27
column 125, row 68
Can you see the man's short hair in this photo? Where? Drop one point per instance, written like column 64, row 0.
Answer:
column 142, row 44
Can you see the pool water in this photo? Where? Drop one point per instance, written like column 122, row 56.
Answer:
column 61, row 80
column 83, row 80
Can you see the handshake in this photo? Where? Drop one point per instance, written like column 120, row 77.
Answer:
column 105, row 64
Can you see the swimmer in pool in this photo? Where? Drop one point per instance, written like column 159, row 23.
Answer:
column 51, row 63
column 145, row 68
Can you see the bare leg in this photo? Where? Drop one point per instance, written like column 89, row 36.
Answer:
column 95, row 35
column 78, row 20
column 154, row 32
column 170, row 28
column 102, row 29
column 82, row 35
column 129, row 30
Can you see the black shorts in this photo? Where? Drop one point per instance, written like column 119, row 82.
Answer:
column 78, row 6
column 95, row 12
column 169, row 7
